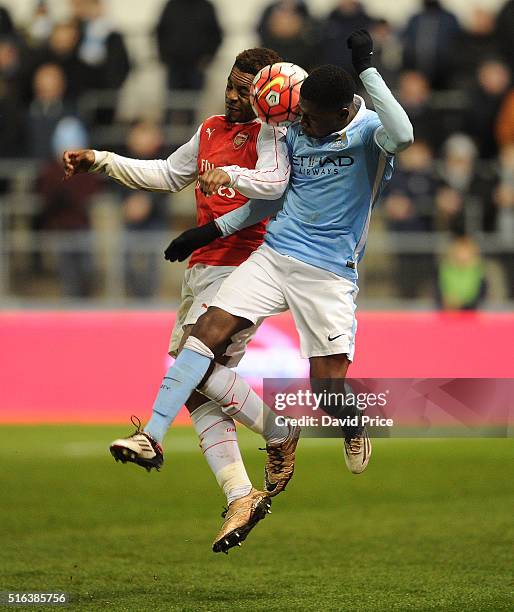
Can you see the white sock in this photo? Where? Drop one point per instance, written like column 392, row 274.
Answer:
column 239, row 401
column 218, row 441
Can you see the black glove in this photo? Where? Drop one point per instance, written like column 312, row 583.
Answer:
column 190, row 240
column 361, row 44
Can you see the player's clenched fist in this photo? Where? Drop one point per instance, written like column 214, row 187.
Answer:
column 361, row 44
column 77, row 161
column 212, row 180
column 190, row 240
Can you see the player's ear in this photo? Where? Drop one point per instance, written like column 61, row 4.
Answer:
column 342, row 113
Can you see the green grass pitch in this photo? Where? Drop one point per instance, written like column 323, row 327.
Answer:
column 429, row 526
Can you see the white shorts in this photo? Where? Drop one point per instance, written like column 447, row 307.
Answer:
column 199, row 287
column 321, row 302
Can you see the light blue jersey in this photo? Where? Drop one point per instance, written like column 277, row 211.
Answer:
column 334, row 184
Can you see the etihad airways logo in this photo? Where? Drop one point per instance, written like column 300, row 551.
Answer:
column 278, row 79
column 317, row 165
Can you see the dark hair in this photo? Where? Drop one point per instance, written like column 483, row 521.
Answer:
column 252, row 60
column 329, row 86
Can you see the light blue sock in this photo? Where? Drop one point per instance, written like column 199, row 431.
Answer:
column 180, row 381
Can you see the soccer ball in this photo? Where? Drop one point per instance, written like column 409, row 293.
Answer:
column 275, row 93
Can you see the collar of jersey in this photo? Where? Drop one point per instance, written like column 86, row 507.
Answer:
column 240, row 122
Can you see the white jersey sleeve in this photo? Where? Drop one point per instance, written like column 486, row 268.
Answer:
column 171, row 174
column 270, row 177
column 249, row 214
column 395, row 133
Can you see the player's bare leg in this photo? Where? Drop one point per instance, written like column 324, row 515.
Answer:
column 216, row 327
column 328, row 373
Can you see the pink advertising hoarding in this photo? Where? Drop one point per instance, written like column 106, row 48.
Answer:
column 101, row 367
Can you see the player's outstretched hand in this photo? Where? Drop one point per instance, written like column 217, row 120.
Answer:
column 181, row 247
column 361, row 44
column 76, row 162
column 212, row 180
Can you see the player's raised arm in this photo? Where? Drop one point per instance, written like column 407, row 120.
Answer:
column 247, row 215
column 171, row 174
column 269, row 178
column 396, row 132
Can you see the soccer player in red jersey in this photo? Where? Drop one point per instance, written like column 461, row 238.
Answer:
column 244, row 159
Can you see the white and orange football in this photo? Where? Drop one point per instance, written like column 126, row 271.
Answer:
column 275, row 93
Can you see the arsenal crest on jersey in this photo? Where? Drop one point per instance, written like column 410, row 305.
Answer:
column 240, row 140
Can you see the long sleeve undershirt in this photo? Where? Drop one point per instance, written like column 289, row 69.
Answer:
column 267, row 181
column 396, row 132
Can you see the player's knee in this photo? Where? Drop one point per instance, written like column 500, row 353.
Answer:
column 216, row 327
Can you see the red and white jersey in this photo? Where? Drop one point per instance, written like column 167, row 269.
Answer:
column 253, row 154
column 224, row 144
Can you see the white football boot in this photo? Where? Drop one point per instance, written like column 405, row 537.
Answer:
column 139, row 448
column 357, row 452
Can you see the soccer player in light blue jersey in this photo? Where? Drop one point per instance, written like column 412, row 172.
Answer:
column 341, row 154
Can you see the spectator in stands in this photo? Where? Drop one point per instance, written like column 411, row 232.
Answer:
column 410, row 195
column 505, row 121
column 465, row 180
column 11, row 110
column 415, row 95
column 493, row 79
column 346, row 17
column 103, row 50
column 65, row 208
column 503, row 33
column 449, row 210
column 476, row 43
column 287, row 27
column 41, row 24
column 11, row 125
column 188, row 36
column 504, row 193
column 504, row 201
column 429, row 42
column 6, row 24
column 62, row 48
column 46, row 110
column 409, row 208
column 11, row 64
column 12, row 141
column 461, row 280
column 387, row 51
column 143, row 212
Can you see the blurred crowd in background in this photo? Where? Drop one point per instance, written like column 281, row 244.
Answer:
column 452, row 195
